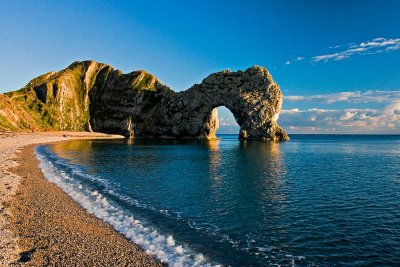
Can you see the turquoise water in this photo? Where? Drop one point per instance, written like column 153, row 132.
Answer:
column 317, row 200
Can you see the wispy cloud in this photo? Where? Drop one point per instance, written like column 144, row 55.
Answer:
column 377, row 45
column 338, row 46
column 292, row 60
column 377, row 96
column 227, row 121
column 345, row 51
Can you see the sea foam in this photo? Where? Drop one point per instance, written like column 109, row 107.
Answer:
column 164, row 248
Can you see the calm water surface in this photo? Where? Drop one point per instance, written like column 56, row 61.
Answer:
column 313, row 201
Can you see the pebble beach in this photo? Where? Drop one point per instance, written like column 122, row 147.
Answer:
column 40, row 225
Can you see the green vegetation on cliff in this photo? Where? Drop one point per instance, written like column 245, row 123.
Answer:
column 60, row 100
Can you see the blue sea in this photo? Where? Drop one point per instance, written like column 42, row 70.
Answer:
column 317, row 200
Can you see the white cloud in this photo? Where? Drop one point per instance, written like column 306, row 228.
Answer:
column 343, row 45
column 377, row 96
column 312, row 118
column 290, row 111
column 294, row 98
column 223, row 121
column 393, row 110
column 321, row 110
column 350, row 120
column 348, row 115
column 392, row 48
column 377, row 45
column 292, row 60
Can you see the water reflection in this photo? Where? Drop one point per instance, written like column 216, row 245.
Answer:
column 130, row 141
column 249, row 170
column 265, row 167
column 66, row 149
column 214, row 161
column 263, row 181
column 213, row 144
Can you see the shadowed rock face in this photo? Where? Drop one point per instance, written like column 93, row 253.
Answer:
column 97, row 97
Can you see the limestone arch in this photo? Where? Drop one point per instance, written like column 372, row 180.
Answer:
column 252, row 96
column 156, row 110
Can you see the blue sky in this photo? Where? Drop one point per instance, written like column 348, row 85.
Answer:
column 337, row 62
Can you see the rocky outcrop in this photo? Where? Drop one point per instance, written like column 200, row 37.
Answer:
column 94, row 96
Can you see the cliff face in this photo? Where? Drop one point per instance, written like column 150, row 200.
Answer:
column 94, row 96
column 53, row 101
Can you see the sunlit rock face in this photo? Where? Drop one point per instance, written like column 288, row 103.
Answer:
column 252, row 96
column 94, row 96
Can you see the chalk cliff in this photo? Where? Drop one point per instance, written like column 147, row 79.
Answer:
column 90, row 96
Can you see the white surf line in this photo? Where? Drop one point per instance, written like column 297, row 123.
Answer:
column 148, row 238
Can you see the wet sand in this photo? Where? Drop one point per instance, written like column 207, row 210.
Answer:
column 42, row 226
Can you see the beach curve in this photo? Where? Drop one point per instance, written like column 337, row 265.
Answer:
column 41, row 225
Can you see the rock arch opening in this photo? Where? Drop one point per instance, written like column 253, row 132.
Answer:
column 227, row 121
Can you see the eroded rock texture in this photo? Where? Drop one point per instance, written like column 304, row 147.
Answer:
column 97, row 97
